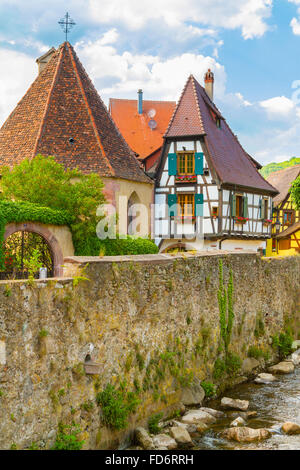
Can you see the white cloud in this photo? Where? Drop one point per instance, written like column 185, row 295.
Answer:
column 295, row 25
column 279, row 106
column 160, row 78
column 16, row 76
column 247, row 15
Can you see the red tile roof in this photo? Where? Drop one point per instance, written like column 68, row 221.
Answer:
column 134, row 127
column 193, row 117
column 62, row 103
column 282, row 180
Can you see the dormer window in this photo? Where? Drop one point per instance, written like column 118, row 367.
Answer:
column 215, row 118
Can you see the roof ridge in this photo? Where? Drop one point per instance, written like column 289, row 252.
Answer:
column 133, row 99
column 177, row 106
column 197, row 102
column 70, row 50
column 59, row 52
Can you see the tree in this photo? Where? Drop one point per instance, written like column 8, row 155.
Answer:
column 43, row 181
column 295, row 192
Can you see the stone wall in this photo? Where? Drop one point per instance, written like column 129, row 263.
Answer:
column 152, row 321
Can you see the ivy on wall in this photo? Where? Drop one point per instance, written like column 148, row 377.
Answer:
column 27, row 212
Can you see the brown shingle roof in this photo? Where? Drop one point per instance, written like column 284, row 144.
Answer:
column 289, row 231
column 62, row 103
column 282, row 180
column 193, row 117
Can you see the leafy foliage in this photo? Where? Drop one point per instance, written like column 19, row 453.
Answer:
column 225, row 307
column 295, row 192
column 153, row 423
column 209, row 388
column 67, row 438
column 117, row 405
column 283, row 344
column 271, row 167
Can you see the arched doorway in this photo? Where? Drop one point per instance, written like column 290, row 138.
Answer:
column 133, row 214
column 20, row 241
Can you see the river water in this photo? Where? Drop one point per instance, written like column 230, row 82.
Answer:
column 275, row 403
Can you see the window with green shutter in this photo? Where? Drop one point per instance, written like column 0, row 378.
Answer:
column 172, row 204
column 172, row 164
column 233, row 205
column 245, row 206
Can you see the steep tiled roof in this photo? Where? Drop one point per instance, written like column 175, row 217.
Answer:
column 134, row 127
column 63, row 104
column 194, row 116
column 282, row 180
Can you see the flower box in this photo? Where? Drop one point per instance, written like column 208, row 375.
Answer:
column 186, row 179
column 183, row 219
column 241, row 220
column 267, row 222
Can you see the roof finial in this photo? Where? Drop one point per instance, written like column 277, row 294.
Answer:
column 66, row 24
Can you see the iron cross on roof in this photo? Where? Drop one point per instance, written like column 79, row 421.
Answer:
column 66, row 24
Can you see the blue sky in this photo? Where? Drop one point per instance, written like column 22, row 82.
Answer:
column 252, row 46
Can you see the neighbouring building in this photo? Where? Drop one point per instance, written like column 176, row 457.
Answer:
column 63, row 115
column 143, row 124
column 285, row 239
column 209, row 193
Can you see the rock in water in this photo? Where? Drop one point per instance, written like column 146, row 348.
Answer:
column 244, row 434
column 163, row 440
column 290, row 428
column 264, row 378
column 238, row 422
column 284, row 367
column 211, row 411
column 193, row 395
column 181, row 436
column 198, row 416
column 295, row 344
column 232, row 404
column 143, row 439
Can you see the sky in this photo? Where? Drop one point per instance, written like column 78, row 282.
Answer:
column 251, row 45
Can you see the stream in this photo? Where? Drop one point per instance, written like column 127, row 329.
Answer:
column 275, row 404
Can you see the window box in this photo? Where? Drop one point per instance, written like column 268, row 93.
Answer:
column 241, row 220
column 267, row 222
column 183, row 219
column 186, row 179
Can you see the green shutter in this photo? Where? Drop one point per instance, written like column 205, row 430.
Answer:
column 198, row 163
column 199, row 205
column 245, row 206
column 172, row 203
column 172, row 164
column 261, row 209
column 233, row 205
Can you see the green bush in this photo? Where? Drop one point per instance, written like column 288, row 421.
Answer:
column 209, row 388
column 153, row 423
column 117, row 405
column 257, row 353
column 233, row 363
column 67, row 438
column 124, row 246
column 283, row 344
column 219, row 368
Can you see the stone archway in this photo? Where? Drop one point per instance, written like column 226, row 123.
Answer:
column 48, row 236
column 131, row 213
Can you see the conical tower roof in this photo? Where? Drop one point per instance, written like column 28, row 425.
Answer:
column 63, row 115
column 195, row 115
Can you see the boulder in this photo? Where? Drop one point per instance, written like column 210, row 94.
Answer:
column 284, row 367
column 249, row 364
column 290, row 428
column 295, row 358
column 193, row 395
column 238, row 422
column 181, row 436
column 264, row 378
column 245, row 434
column 143, row 439
column 201, row 428
column 198, row 416
column 243, row 414
column 164, row 441
column 296, row 344
column 211, row 411
column 234, row 404
column 191, row 428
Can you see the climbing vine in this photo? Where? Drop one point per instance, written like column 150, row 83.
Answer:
column 225, row 299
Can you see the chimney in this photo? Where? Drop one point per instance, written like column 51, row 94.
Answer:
column 140, row 101
column 44, row 59
column 209, row 84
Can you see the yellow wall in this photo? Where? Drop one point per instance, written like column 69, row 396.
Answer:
column 293, row 244
column 116, row 187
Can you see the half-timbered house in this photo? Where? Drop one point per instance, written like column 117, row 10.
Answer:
column 209, row 193
column 285, row 239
